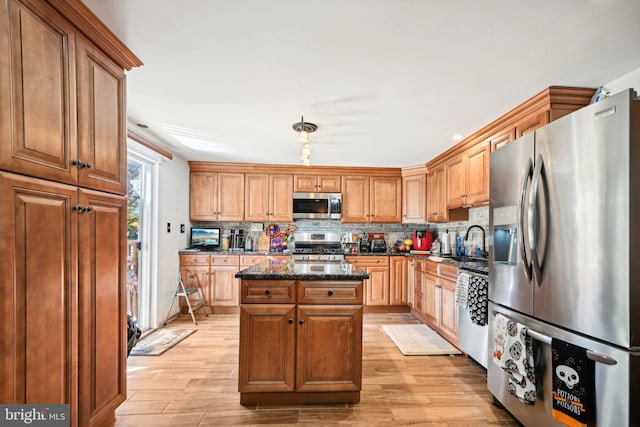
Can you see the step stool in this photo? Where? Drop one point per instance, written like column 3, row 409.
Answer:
column 185, row 291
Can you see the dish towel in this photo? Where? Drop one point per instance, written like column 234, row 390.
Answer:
column 478, row 302
column 573, row 384
column 513, row 353
column 462, row 289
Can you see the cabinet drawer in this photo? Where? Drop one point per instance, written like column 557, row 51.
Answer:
column 194, row 259
column 247, row 260
column 449, row 271
column 329, row 292
column 431, row 267
column 369, row 261
column 225, row 260
column 268, row 291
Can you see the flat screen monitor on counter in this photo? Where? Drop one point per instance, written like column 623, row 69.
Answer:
column 204, row 238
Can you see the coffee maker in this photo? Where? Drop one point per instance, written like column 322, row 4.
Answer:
column 422, row 240
column 237, row 239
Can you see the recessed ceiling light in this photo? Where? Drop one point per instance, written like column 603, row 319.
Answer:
column 142, row 125
column 457, row 137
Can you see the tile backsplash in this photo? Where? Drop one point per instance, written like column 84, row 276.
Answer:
column 477, row 216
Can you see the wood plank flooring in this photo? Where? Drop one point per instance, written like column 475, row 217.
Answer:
column 195, row 384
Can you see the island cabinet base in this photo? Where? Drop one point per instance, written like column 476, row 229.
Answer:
column 300, row 341
column 296, row 398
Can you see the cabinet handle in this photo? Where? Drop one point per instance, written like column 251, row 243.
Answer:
column 330, row 293
column 290, row 321
column 76, row 163
column 85, row 165
column 76, row 208
column 301, row 321
column 87, row 209
column 267, row 292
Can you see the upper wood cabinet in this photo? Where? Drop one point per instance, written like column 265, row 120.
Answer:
column 65, row 119
column 468, row 177
column 437, row 195
column 268, row 197
column 216, row 196
column 317, row 183
column 414, row 198
column 375, row 199
column 521, row 127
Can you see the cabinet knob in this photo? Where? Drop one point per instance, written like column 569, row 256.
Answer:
column 330, row 293
column 76, row 163
column 267, row 292
column 85, row 165
column 290, row 321
column 76, row 208
column 301, row 321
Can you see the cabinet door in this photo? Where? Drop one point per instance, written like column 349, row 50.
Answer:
column 432, row 197
column 411, row 281
column 226, row 288
column 397, row 285
column 38, row 90
column 455, row 188
column 503, row 138
column 102, row 339
column 201, row 274
column 329, row 183
column 281, row 204
column 230, row 197
column 267, row 347
column 386, row 199
column 531, row 123
column 256, row 198
column 305, row 183
column 477, row 182
column 319, row 367
column 355, row 199
column 441, row 191
column 431, row 298
column 377, row 286
column 203, row 197
column 414, row 198
column 102, row 147
column 38, row 314
column 448, row 310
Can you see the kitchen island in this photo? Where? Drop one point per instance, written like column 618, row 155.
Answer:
column 300, row 332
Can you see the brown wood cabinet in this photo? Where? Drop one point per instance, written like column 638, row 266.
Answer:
column 268, row 197
column 468, row 177
column 289, row 332
column 411, row 281
column 375, row 199
column 216, row 196
column 377, row 285
column 437, row 195
column 398, row 280
column 317, row 183
column 414, row 198
column 214, row 275
column 62, row 137
column 435, row 284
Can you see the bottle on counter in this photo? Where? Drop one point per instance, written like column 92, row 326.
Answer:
column 226, row 242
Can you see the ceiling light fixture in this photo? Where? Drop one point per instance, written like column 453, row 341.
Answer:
column 304, row 128
column 457, row 137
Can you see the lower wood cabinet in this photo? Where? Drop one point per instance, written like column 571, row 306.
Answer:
column 63, row 305
column 398, row 280
column 300, row 341
column 377, row 285
column 434, row 297
column 215, row 277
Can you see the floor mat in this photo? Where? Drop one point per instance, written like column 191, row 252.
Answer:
column 160, row 341
column 418, row 340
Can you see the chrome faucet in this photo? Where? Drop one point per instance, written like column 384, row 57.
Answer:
column 466, row 237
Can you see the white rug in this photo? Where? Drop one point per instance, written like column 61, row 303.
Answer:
column 160, row 341
column 418, row 340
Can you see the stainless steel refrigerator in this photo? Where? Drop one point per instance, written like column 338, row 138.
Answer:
column 565, row 253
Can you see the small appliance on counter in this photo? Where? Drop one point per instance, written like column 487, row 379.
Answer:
column 377, row 242
column 422, row 240
column 237, row 239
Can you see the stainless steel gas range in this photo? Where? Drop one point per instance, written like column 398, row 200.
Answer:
column 317, row 246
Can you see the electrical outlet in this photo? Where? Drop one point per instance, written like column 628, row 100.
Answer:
column 182, row 228
column 168, row 227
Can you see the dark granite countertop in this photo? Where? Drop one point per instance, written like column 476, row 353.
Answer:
column 302, row 270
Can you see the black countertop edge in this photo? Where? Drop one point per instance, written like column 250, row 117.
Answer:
column 294, row 276
column 291, row 270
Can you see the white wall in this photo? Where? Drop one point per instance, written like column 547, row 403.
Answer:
column 173, row 207
column 629, row 80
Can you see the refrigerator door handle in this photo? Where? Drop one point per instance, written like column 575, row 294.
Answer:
column 523, row 194
column 533, row 220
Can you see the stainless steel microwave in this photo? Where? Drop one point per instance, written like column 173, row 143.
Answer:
column 317, row 205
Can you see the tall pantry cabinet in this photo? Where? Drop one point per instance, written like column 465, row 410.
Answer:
column 62, row 209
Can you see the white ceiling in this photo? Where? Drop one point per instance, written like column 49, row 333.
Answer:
column 388, row 82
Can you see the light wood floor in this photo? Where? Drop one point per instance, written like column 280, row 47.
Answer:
column 195, row 384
